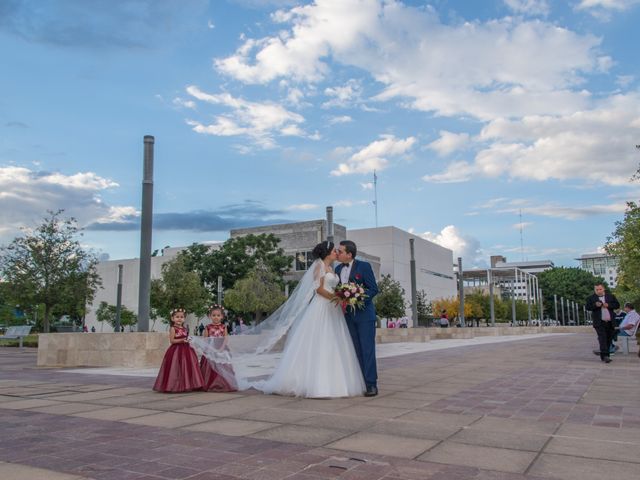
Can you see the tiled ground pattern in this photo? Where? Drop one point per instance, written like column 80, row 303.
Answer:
column 544, row 408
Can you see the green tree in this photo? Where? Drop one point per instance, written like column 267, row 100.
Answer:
column 572, row 283
column 178, row 287
column 624, row 244
column 75, row 301
column 107, row 313
column 260, row 292
column 46, row 265
column 390, row 301
column 235, row 259
column 424, row 308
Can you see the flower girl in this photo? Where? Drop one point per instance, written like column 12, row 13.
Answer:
column 179, row 371
column 215, row 363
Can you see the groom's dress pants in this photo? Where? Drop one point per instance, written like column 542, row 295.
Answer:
column 363, row 333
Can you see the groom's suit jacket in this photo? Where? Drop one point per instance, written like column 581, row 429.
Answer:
column 362, row 274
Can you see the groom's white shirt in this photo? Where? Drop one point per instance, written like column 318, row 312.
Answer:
column 345, row 272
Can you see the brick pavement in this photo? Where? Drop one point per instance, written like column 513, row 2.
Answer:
column 531, row 409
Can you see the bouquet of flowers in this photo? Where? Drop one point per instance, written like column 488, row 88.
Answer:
column 350, row 296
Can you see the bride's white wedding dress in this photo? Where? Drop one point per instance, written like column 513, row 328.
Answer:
column 319, row 360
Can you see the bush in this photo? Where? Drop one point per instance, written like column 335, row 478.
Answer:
column 28, row 341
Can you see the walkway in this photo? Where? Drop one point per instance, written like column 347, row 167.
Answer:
column 528, row 409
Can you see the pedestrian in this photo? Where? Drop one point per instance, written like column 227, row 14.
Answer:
column 602, row 305
column 93, row 329
column 201, row 328
column 444, row 320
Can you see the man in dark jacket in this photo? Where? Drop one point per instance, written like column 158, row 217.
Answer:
column 602, row 305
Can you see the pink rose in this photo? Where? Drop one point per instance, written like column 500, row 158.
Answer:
column 347, row 294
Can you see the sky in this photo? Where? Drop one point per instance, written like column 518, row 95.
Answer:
column 504, row 127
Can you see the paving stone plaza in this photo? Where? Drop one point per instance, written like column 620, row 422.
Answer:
column 535, row 408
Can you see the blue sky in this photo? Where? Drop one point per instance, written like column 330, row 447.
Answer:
column 266, row 111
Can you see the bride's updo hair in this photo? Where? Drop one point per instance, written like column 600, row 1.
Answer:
column 321, row 250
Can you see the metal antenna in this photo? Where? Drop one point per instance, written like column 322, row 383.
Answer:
column 521, row 237
column 375, row 195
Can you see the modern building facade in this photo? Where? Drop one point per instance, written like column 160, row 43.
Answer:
column 434, row 273
column 387, row 249
column 602, row 265
column 532, row 267
column 298, row 240
column 108, row 272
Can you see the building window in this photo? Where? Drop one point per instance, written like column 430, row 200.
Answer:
column 303, row 260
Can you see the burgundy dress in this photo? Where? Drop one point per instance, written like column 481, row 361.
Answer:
column 179, row 371
column 218, row 377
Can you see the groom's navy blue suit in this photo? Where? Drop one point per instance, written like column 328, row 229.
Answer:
column 362, row 322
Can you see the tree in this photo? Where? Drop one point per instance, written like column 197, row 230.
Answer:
column 48, row 266
column 480, row 303
column 178, row 287
column 452, row 307
column 74, row 302
column 424, row 308
column 624, row 244
column 260, row 292
column 107, row 313
column 572, row 283
column 390, row 301
column 235, row 259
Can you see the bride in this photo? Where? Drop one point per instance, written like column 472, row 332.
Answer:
column 319, row 359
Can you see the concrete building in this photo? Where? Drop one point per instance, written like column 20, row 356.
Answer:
column 108, row 272
column 533, row 267
column 385, row 248
column 434, row 272
column 601, row 264
column 298, row 240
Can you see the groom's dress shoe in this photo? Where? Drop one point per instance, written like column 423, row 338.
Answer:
column 371, row 392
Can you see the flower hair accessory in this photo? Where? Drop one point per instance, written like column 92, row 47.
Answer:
column 176, row 310
column 215, row 306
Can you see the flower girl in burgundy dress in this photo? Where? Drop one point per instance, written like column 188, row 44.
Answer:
column 179, row 371
column 215, row 364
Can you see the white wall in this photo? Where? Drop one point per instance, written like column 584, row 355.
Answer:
column 108, row 272
column 392, row 246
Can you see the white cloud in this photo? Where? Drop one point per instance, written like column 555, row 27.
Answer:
column 375, row 155
column 343, row 96
column 367, row 186
column 295, row 96
column 550, row 209
column 340, row 119
column 607, row 4
column 529, row 7
column 303, row 207
column 449, row 142
column 464, row 246
column 456, row 172
column 603, row 9
column 181, row 102
column 555, row 210
column 484, row 69
column 350, row 203
column 26, row 195
column 318, row 29
column 259, row 121
column 595, row 145
column 521, row 225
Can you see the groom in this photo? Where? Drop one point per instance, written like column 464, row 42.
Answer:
column 362, row 322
